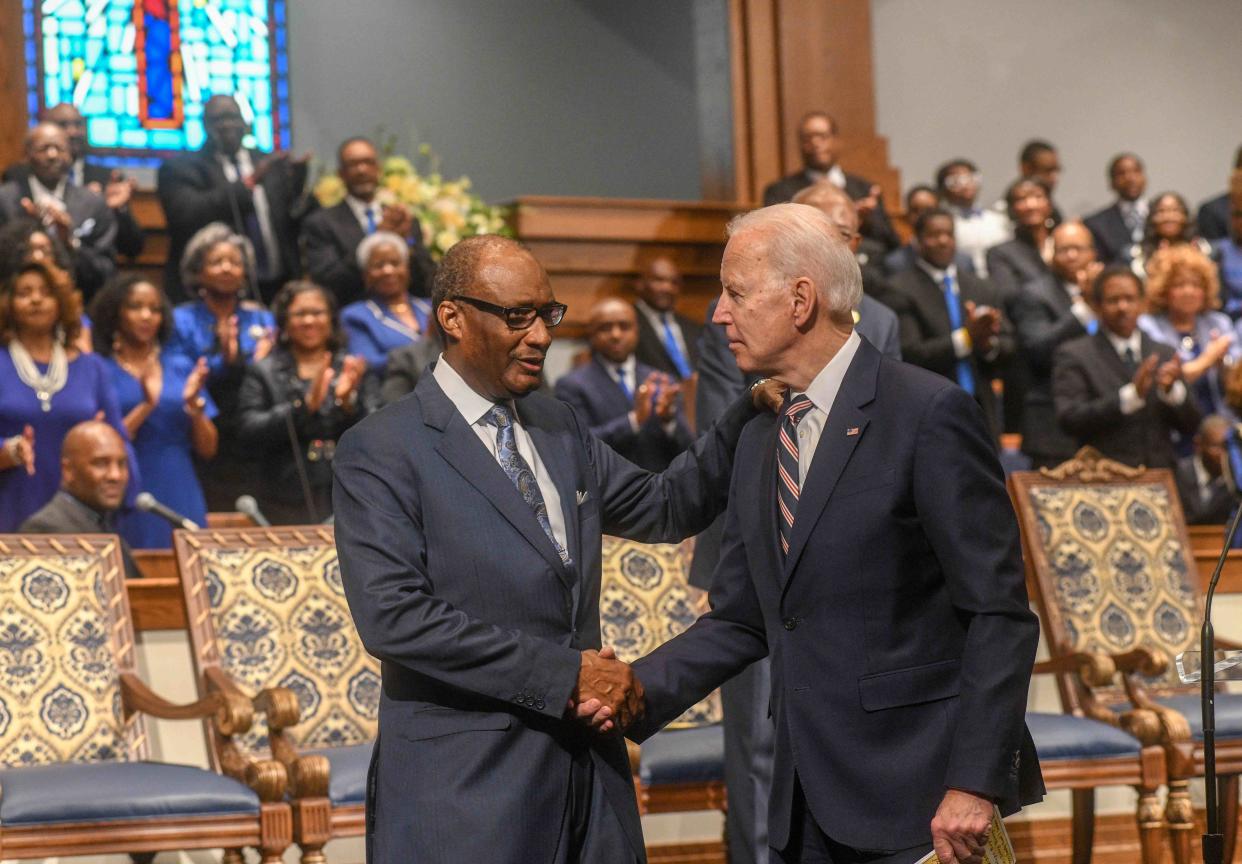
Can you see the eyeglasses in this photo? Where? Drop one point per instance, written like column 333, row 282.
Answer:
column 520, row 317
column 961, row 181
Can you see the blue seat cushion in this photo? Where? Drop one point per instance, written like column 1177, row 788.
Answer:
column 693, row 755
column 1064, row 736
column 348, row 783
column 1228, row 714
column 105, row 791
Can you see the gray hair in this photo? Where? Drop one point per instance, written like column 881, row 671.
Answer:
column 381, row 238
column 207, row 238
column 802, row 242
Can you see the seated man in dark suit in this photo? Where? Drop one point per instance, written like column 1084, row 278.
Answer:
column 1213, row 218
column 1119, row 226
column 1200, row 476
column 951, row 322
column 631, row 407
column 79, row 218
column 109, row 183
column 1118, row 390
column 1048, row 311
column 820, row 143
column 259, row 195
column 667, row 342
column 330, row 236
column 94, row 474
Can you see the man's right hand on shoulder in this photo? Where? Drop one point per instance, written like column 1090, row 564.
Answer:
column 608, row 694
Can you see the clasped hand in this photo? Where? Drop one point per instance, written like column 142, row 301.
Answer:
column 608, row 694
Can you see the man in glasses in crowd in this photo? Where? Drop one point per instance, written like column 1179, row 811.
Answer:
column 976, row 229
column 468, row 524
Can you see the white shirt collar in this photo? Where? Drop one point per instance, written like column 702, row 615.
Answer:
column 823, row 389
column 473, row 406
column 1202, row 477
column 935, row 273
column 655, row 316
column 834, row 175
column 628, row 366
column 41, row 193
column 1134, row 343
column 361, row 208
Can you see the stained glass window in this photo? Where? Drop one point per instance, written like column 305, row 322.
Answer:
column 140, row 71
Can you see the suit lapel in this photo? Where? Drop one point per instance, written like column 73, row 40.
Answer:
column 836, row 446
column 931, row 297
column 767, row 498
column 461, row 448
column 1111, row 359
column 561, row 465
column 347, row 226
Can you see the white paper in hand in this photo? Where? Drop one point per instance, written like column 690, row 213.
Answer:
column 998, row 850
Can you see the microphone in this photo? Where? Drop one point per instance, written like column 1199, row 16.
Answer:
column 247, row 506
column 146, row 503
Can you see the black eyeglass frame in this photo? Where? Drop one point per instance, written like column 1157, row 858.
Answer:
column 519, row 317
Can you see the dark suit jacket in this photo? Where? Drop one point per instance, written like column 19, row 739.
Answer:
column 1011, row 264
column 1213, row 218
column 65, row 514
column 195, row 192
column 1112, row 237
column 877, row 224
column 330, row 238
column 479, row 626
column 898, row 625
column 1086, row 377
column 130, row 238
column 1043, row 320
column 1215, row 509
column 651, row 351
column 600, row 401
column 926, row 333
column 406, row 365
column 93, row 224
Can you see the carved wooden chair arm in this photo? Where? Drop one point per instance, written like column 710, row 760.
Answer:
column 232, row 713
column 1228, row 644
column 308, row 773
column 1141, row 661
column 1093, row 670
column 268, row 779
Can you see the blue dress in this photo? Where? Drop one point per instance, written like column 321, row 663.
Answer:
column 373, row 330
column 1209, row 391
column 194, row 333
column 87, row 390
column 164, row 452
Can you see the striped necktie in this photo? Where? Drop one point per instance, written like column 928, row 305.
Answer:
column 787, row 474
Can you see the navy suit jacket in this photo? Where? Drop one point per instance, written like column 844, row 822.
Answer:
column 1213, row 218
column 898, row 625
column 478, row 625
column 1112, row 237
column 600, row 401
column 877, row 225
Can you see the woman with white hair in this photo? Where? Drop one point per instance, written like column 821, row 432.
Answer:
column 390, row 316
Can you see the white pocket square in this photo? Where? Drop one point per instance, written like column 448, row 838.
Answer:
column 582, row 497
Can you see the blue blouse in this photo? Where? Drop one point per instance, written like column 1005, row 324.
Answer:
column 88, row 390
column 1208, row 391
column 373, row 330
column 164, row 452
column 194, row 332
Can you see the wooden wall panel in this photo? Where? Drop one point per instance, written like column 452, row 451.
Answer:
column 12, row 82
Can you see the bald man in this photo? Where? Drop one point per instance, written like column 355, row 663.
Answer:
column 79, row 217
column 94, row 471
column 633, row 408
column 667, row 341
column 1051, row 309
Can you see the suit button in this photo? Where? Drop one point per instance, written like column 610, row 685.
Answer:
column 539, row 704
column 791, row 623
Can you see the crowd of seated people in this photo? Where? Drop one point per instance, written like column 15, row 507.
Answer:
column 279, row 324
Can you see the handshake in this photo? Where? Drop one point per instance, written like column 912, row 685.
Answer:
column 608, row 694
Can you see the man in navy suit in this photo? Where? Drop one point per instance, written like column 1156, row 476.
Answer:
column 871, row 548
column 258, row 194
column 667, row 341
column 330, row 236
column 469, row 518
column 1119, row 226
column 631, row 407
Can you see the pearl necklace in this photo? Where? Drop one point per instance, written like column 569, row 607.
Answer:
column 46, row 385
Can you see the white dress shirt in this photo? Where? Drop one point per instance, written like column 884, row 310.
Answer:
column 1131, row 401
column 43, row 197
column 262, row 210
column 474, row 408
column 1078, row 306
column 360, row 209
column 977, row 230
column 834, row 175
column 822, row 392
column 656, row 320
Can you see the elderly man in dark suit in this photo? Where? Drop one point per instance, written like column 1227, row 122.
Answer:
column 469, row 519
column 94, row 469
column 1118, row 390
column 1119, row 226
column 1206, row 499
column 631, row 407
column 667, row 341
column 951, row 321
column 1214, row 213
column 259, row 195
column 330, row 236
column 77, row 216
column 1051, row 309
column 110, row 183
column 819, row 141
column 870, row 547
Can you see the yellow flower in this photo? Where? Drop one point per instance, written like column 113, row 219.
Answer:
column 329, row 191
column 446, row 239
column 398, row 166
column 411, row 191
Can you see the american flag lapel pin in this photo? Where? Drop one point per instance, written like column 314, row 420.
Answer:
column 853, row 430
